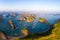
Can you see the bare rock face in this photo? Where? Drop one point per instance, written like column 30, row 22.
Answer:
column 20, row 26
column 2, row 36
column 24, row 32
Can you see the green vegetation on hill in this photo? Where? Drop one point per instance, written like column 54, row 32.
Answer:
column 55, row 35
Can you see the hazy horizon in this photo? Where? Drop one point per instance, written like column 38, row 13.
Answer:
column 30, row 5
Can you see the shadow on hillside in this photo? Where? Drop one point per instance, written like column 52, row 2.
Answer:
column 39, row 35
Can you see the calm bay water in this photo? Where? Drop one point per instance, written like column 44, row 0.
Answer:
column 33, row 27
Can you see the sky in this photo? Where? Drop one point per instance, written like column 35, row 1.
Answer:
column 30, row 5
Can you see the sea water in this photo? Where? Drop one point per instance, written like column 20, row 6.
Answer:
column 33, row 27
